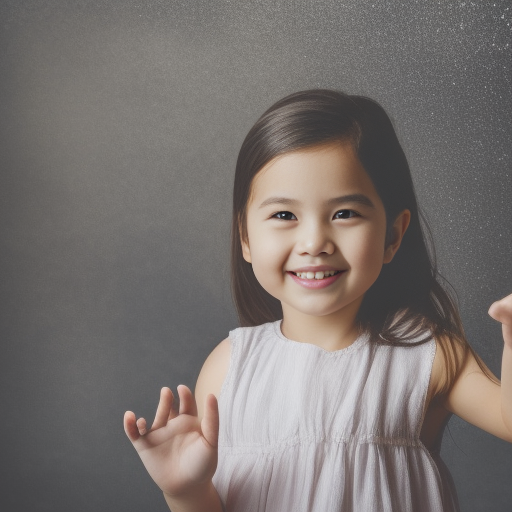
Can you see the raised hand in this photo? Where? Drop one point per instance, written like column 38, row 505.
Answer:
column 502, row 312
column 179, row 451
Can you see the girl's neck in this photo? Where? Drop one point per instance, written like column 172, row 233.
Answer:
column 330, row 332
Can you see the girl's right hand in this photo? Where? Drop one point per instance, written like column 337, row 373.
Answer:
column 179, row 452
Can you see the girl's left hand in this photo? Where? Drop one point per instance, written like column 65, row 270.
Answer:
column 502, row 312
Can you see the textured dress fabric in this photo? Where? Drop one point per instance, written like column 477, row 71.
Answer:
column 303, row 429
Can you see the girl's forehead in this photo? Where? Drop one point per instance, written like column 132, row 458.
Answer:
column 324, row 168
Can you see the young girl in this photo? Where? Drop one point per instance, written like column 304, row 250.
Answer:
column 334, row 394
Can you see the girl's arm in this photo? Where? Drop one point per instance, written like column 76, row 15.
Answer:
column 477, row 399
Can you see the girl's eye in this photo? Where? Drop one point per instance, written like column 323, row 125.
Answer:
column 341, row 214
column 345, row 214
column 283, row 215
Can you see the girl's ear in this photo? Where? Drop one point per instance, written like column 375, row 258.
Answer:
column 398, row 230
column 246, row 253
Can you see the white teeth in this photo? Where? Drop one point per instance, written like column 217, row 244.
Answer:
column 316, row 275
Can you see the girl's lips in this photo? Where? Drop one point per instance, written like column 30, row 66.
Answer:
column 316, row 283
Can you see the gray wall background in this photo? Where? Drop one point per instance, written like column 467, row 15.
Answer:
column 120, row 124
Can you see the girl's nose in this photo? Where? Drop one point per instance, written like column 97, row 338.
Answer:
column 314, row 240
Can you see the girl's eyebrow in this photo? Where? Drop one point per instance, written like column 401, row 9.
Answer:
column 350, row 198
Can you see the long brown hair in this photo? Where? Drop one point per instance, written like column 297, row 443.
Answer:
column 410, row 299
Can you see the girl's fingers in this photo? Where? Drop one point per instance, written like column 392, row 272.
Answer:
column 187, row 401
column 210, row 421
column 163, row 409
column 130, row 426
column 141, row 426
column 501, row 310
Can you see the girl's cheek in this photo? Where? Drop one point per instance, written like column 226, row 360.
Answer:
column 368, row 254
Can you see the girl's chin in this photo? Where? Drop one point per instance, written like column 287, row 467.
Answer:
column 313, row 310
column 316, row 307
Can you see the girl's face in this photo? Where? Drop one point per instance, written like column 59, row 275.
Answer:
column 316, row 210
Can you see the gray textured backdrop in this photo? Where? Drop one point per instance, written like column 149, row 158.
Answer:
column 120, row 124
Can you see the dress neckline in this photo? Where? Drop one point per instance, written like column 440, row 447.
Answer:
column 361, row 340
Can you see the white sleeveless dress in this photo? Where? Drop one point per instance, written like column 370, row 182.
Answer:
column 307, row 430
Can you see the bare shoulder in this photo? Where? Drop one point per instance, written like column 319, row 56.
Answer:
column 213, row 373
column 439, row 378
column 438, row 375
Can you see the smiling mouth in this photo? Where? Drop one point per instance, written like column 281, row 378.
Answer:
column 316, row 275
